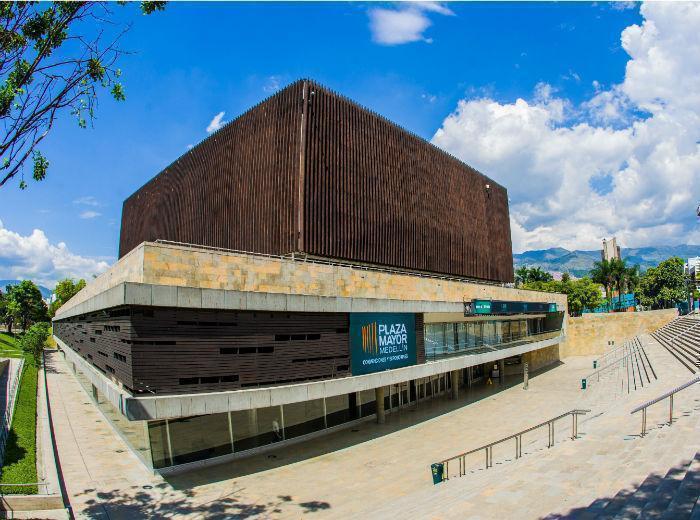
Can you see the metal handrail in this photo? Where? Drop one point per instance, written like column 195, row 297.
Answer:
column 488, row 448
column 613, row 351
column 613, row 364
column 669, row 394
column 684, row 331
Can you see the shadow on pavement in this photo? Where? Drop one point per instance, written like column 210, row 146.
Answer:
column 159, row 502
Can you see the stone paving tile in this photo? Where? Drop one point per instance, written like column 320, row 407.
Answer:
column 383, row 471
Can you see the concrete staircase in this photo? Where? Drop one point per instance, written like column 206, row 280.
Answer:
column 681, row 338
column 609, row 472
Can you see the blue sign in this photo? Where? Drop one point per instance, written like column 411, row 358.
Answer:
column 381, row 341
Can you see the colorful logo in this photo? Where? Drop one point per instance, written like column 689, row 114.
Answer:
column 370, row 344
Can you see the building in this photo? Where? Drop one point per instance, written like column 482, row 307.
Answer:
column 308, row 266
column 610, row 250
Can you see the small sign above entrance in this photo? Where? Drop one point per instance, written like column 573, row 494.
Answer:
column 500, row 307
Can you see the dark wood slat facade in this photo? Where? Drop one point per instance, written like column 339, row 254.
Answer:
column 312, row 172
column 175, row 351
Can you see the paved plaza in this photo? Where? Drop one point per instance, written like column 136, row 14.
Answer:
column 382, row 471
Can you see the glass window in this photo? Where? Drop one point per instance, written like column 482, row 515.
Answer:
column 337, row 410
column 489, row 332
column 462, row 335
column 199, row 437
column 303, row 418
column 269, row 425
column 158, row 436
column 244, row 424
column 369, row 403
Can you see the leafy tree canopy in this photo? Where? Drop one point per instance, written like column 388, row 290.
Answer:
column 24, row 305
column 34, row 340
column 664, row 285
column 580, row 294
column 54, row 58
column 64, row 291
column 525, row 275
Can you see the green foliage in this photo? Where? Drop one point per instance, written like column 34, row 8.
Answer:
column 664, row 285
column 53, row 61
column 64, row 291
column 151, row 7
column 580, row 294
column 24, row 305
column 32, row 342
column 526, row 275
column 19, row 466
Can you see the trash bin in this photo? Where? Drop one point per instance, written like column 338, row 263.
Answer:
column 595, row 363
column 583, row 384
column 438, row 470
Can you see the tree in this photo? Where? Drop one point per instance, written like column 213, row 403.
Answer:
column 602, row 273
column 580, row 294
column 25, row 304
column 64, row 291
column 664, row 285
column 525, row 275
column 34, row 339
column 54, row 58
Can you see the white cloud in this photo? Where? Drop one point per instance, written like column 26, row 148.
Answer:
column 273, row 84
column 216, row 123
column 642, row 136
column 89, row 214
column 88, row 200
column 34, row 257
column 405, row 24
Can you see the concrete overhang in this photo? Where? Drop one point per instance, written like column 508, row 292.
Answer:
column 150, row 295
column 153, row 407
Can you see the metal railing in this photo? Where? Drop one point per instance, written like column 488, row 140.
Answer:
column 6, row 419
column 435, row 350
column 518, row 437
column 669, row 394
column 618, row 363
column 684, row 331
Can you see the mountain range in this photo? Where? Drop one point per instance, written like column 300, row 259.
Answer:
column 45, row 293
column 579, row 262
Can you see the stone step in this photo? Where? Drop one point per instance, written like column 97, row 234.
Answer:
column 687, row 494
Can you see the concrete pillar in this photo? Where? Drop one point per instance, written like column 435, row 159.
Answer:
column 379, row 396
column 455, row 384
column 502, row 369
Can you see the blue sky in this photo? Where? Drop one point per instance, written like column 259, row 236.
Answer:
column 565, row 61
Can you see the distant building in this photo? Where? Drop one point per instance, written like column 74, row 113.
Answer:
column 692, row 267
column 610, row 249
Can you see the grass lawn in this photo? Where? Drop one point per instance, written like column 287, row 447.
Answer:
column 20, row 451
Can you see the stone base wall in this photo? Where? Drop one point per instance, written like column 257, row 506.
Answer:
column 588, row 335
column 166, row 264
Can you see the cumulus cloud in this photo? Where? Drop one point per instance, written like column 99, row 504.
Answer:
column 34, row 257
column 216, row 123
column 405, row 24
column 625, row 162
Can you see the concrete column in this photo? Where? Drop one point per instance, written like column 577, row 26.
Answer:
column 502, row 368
column 455, row 384
column 379, row 396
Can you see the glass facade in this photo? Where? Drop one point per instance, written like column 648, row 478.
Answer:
column 466, row 337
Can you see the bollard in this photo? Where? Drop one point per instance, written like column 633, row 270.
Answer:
column 437, row 471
